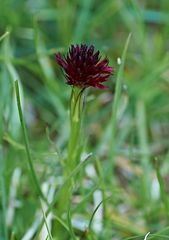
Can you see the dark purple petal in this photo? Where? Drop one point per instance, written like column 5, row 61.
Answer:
column 83, row 68
column 60, row 60
column 90, row 50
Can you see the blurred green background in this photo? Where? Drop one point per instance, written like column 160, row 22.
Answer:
column 37, row 30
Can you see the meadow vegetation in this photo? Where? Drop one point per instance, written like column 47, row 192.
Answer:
column 120, row 186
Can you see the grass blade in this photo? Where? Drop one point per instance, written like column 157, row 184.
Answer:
column 3, row 36
column 30, row 164
column 45, row 220
column 3, row 196
column 95, row 210
column 116, row 105
column 163, row 193
column 144, row 148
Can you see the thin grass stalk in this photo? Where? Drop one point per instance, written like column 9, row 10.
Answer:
column 163, row 193
column 103, row 187
column 46, row 223
column 29, row 158
column 115, row 106
column 3, row 197
column 145, row 159
column 4, row 228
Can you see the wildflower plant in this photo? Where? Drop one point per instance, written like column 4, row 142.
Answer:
column 83, row 68
column 82, row 198
column 74, row 65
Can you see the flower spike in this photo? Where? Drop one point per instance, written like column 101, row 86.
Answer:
column 83, row 68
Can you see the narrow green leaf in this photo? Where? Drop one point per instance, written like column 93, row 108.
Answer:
column 115, row 105
column 94, row 212
column 29, row 158
column 3, row 196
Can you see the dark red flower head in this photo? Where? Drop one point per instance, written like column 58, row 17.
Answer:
column 83, row 67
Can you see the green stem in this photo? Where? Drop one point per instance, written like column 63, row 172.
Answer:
column 73, row 155
column 75, row 125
